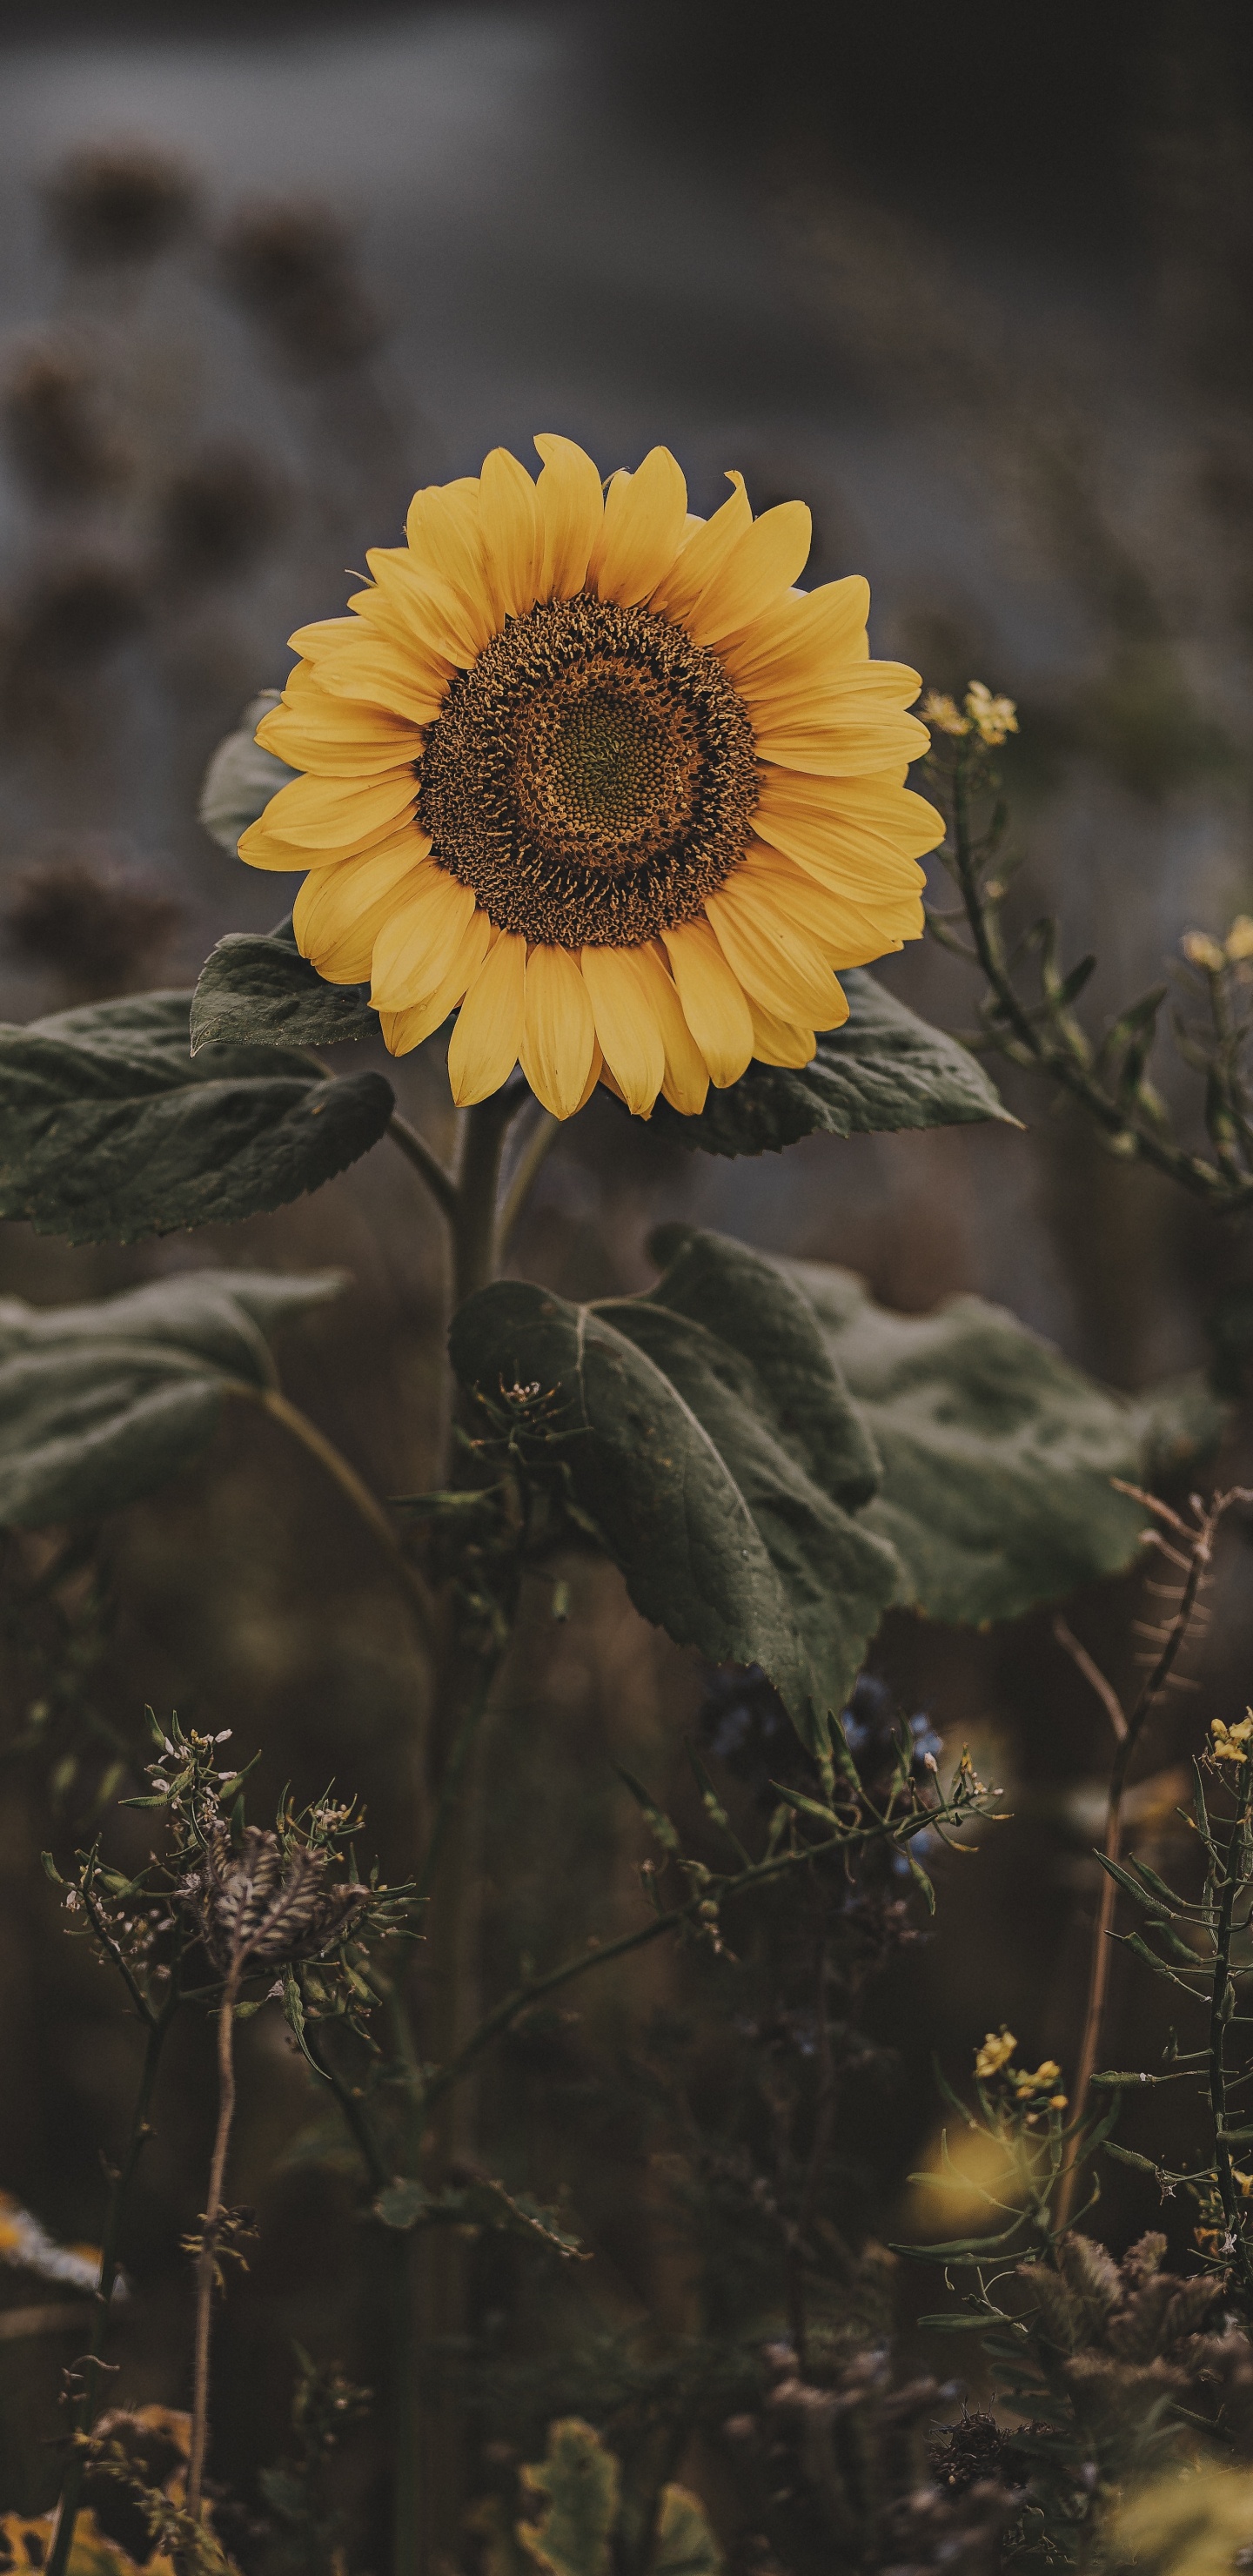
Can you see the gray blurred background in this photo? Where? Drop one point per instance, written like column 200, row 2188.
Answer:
column 975, row 283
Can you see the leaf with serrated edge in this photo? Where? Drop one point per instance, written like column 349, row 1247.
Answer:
column 101, row 1403
column 997, row 1452
column 884, row 1070
column 108, row 1131
column 257, row 990
column 241, row 778
column 706, row 1436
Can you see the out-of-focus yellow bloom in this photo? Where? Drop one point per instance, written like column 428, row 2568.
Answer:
column 992, row 718
column 1230, row 1741
column 943, row 713
column 1201, row 950
column 995, row 2053
column 1240, row 938
column 1188, row 2523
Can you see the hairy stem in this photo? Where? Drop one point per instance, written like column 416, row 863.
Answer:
column 1235, row 1876
column 207, row 2262
column 533, row 1152
column 474, row 1218
column 158, row 2025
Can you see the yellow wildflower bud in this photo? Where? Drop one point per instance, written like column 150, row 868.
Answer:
column 1240, row 938
column 1245, row 2180
column 1058, row 2101
column 1201, row 950
column 995, row 2052
column 993, row 718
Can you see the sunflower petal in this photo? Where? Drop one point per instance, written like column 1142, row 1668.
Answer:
column 713, row 1000
column 686, row 1082
column 703, row 555
column 381, row 672
column 769, row 558
column 572, row 511
column 412, row 605
column 483, row 1049
column 339, row 813
column 315, row 732
column 416, row 946
column 513, row 537
column 627, row 1027
column 847, row 830
column 341, row 909
column 645, row 518
column 827, row 625
column 558, row 1034
column 775, row 1041
column 446, row 544
column 773, row 959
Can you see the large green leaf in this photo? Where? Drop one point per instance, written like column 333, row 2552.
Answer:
column 109, row 1131
column 885, row 1069
column 100, row 1403
column 241, row 778
column 706, row 1438
column 997, row 1453
column 257, row 990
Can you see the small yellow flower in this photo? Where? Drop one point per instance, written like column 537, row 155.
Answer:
column 943, row 714
column 1201, row 950
column 1240, row 938
column 1048, row 2073
column 995, row 2053
column 1058, row 2101
column 1229, row 1741
column 1245, row 2180
column 992, row 718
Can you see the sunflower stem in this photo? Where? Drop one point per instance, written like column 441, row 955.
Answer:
column 474, row 1243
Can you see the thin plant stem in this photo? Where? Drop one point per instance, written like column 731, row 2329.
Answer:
column 1200, row 1544
column 353, row 2109
column 356, row 1494
column 454, row 1772
column 474, row 1217
column 158, row 2025
column 1234, row 1878
column 207, row 2262
column 535, row 1148
column 1051, row 1053
column 439, row 1182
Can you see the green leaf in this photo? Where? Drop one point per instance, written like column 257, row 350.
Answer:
column 997, row 1453
column 241, row 778
column 257, row 990
column 685, row 2544
column 885, row 1069
column 100, row 1403
column 580, row 2484
column 703, row 1433
column 108, row 1131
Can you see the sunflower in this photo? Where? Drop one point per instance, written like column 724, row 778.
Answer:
column 596, row 775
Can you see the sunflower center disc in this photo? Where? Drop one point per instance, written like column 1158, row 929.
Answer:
column 592, row 777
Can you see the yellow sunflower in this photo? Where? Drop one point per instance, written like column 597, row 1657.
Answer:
column 596, row 775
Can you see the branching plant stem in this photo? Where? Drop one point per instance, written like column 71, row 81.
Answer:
column 1235, row 1877
column 1193, row 1553
column 1046, row 1036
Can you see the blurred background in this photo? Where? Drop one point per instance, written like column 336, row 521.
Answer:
column 976, row 284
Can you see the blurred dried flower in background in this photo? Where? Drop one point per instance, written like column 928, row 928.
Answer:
column 109, row 206
column 100, row 929
column 53, row 433
column 290, row 266
column 219, row 513
column 76, row 615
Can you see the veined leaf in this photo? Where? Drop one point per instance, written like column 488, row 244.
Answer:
column 885, row 1069
column 102, row 1402
column 703, row 1433
column 997, row 1452
column 241, row 778
column 109, row 1131
column 257, row 990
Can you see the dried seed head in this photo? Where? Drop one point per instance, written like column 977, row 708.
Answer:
column 254, row 1904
